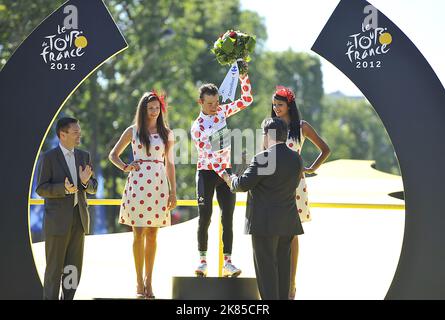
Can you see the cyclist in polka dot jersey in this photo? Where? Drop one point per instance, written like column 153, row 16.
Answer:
column 208, row 124
column 212, row 140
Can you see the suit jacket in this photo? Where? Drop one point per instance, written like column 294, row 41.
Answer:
column 51, row 186
column 271, row 204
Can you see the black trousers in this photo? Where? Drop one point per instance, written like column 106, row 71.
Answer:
column 207, row 181
column 64, row 257
column 271, row 256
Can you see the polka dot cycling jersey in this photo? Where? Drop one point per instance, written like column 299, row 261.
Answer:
column 211, row 136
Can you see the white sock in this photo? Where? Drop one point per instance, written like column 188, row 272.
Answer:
column 203, row 256
column 227, row 258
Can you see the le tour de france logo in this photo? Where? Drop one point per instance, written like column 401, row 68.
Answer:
column 366, row 49
column 61, row 49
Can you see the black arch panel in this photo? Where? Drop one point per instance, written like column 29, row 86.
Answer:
column 31, row 94
column 410, row 100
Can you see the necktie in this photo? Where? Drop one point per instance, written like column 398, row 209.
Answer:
column 72, row 167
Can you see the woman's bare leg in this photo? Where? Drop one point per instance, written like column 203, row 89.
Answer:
column 150, row 253
column 293, row 266
column 138, row 253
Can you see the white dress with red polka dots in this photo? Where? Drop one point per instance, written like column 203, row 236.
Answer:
column 144, row 202
column 302, row 194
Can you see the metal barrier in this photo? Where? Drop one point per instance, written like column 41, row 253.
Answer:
column 194, row 203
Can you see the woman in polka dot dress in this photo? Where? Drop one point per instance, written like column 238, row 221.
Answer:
column 284, row 107
column 150, row 190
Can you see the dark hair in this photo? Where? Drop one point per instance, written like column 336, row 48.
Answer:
column 208, row 89
column 140, row 119
column 278, row 125
column 63, row 124
column 295, row 118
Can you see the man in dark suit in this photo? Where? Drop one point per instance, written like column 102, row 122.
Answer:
column 65, row 176
column 271, row 216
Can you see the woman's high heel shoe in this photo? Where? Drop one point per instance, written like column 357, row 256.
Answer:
column 292, row 292
column 140, row 294
column 148, row 295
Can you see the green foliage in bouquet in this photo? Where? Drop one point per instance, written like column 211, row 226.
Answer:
column 234, row 45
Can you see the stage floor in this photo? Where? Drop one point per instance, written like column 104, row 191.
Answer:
column 344, row 254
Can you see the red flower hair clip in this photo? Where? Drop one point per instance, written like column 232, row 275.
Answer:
column 162, row 99
column 285, row 92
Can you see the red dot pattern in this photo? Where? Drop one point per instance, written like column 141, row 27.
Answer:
column 209, row 159
column 142, row 201
column 301, row 192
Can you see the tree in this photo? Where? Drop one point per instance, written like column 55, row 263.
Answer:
column 354, row 131
column 17, row 20
column 169, row 49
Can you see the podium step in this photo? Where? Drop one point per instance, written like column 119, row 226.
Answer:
column 215, row 288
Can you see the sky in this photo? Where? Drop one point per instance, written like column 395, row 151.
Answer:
column 423, row 21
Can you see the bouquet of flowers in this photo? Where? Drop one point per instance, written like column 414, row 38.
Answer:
column 234, row 46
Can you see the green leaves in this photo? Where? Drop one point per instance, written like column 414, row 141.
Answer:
column 234, row 45
column 228, row 45
column 251, row 44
